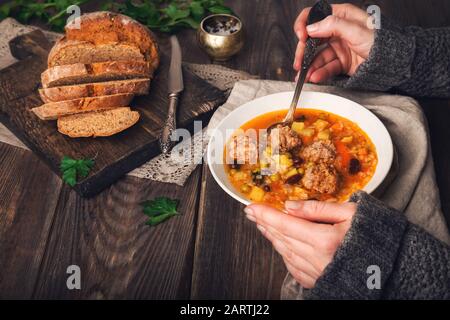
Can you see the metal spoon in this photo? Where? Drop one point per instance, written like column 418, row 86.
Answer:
column 319, row 11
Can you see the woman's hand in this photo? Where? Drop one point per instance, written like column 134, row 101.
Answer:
column 307, row 237
column 348, row 37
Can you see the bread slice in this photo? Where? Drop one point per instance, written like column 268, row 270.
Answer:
column 70, row 52
column 95, row 72
column 106, row 27
column 135, row 86
column 54, row 110
column 98, row 124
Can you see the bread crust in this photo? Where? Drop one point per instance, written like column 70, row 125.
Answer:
column 134, row 86
column 110, row 70
column 71, row 51
column 104, row 27
column 133, row 118
column 54, row 110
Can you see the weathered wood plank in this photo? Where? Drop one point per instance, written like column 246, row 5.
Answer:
column 28, row 197
column 119, row 256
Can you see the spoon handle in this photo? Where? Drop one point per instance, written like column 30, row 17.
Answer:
column 310, row 52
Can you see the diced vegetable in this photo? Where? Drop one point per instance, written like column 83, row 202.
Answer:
column 307, row 132
column 264, row 164
column 257, row 194
column 298, row 126
column 240, row 175
column 291, row 173
column 348, row 139
column 285, row 160
column 354, row 166
column 294, row 179
column 245, row 188
column 301, row 193
column 275, row 177
column 321, row 124
column 324, row 135
column 338, row 126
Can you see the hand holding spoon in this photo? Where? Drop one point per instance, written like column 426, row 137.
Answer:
column 319, row 11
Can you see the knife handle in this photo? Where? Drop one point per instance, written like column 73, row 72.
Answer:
column 170, row 125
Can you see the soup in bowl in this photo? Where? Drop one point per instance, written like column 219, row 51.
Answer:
column 327, row 154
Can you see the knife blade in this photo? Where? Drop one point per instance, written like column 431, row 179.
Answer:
column 175, row 87
column 175, row 71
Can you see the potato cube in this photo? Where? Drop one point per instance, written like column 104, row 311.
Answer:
column 324, row 135
column 321, row 124
column 307, row 132
column 257, row 194
column 285, row 160
column 275, row 177
column 348, row 139
column 298, row 126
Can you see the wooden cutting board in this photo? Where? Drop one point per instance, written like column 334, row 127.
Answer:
column 114, row 156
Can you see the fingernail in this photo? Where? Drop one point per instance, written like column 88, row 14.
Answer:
column 261, row 228
column 250, row 214
column 299, row 35
column 312, row 27
column 293, row 205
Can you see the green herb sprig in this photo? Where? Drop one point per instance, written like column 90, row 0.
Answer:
column 159, row 210
column 72, row 169
column 162, row 15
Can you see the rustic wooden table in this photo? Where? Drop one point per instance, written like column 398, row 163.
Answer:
column 211, row 251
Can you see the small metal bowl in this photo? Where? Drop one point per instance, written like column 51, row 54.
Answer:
column 220, row 47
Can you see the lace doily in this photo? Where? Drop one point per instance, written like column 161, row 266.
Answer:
column 9, row 29
column 162, row 168
column 166, row 168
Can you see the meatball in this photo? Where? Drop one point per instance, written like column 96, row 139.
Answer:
column 320, row 152
column 322, row 178
column 243, row 149
column 285, row 138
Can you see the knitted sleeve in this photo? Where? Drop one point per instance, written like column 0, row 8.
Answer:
column 383, row 256
column 412, row 61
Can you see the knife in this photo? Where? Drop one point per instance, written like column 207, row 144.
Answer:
column 175, row 87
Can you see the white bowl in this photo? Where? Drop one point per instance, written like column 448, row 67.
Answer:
column 348, row 109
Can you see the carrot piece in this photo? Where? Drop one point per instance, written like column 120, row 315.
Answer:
column 343, row 152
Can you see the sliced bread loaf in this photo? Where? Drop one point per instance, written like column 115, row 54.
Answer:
column 98, row 124
column 70, row 51
column 105, row 27
column 95, row 72
column 55, row 94
column 54, row 110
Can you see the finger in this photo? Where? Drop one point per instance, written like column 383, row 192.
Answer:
column 300, row 25
column 320, row 211
column 333, row 26
column 299, row 55
column 297, row 247
column 285, row 251
column 350, row 12
column 326, row 72
column 323, row 57
column 305, row 280
column 293, row 227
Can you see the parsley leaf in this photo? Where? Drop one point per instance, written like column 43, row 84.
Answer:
column 162, row 15
column 159, row 210
column 72, row 168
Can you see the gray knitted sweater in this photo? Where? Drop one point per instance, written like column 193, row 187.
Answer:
column 411, row 263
